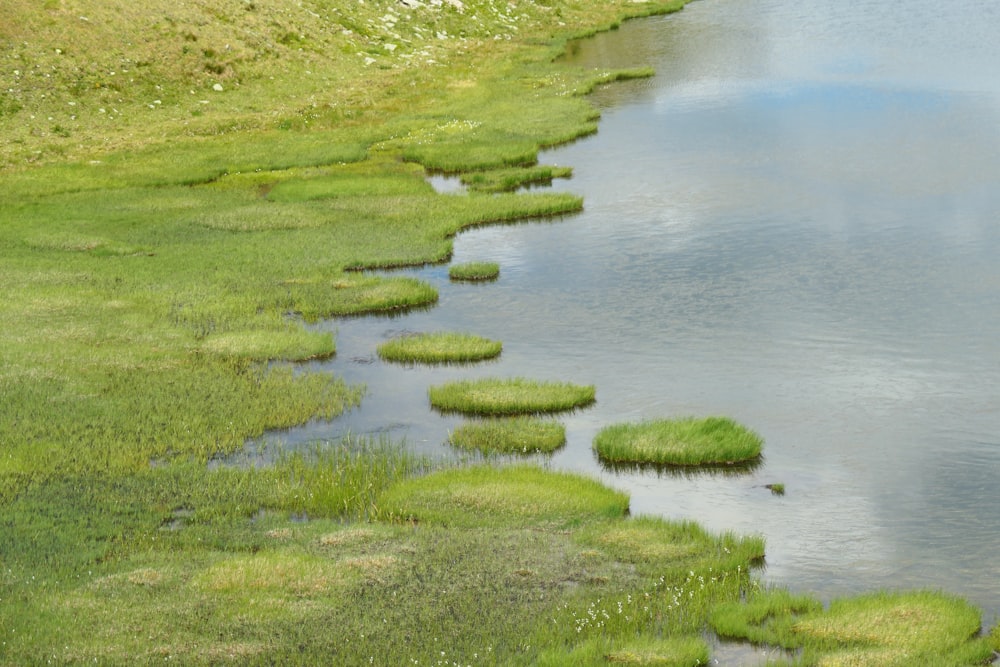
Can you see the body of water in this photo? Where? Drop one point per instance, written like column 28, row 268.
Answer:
column 796, row 223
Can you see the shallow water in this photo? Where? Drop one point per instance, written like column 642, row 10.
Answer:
column 796, row 223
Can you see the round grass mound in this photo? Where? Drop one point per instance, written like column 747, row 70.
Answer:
column 474, row 271
column 894, row 629
column 510, row 435
column 511, row 396
column 678, row 442
column 521, row 495
column 439, row 348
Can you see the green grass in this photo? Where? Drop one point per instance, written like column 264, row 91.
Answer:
column 438, row 348
column 680, row 546
column 678, row 442
column 474, row 271
column 514, row 435
column 487, row 496
column 510, row 396
column 671, row 651
column 163, row 242
column 881, row 628
column 508, row 180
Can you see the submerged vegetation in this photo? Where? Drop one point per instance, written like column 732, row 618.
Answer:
column 184, row 186
column 686, row 441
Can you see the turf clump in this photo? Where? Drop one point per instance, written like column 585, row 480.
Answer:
column 513, row 396
column 486, row 496
column 660, row 546
column 439, row 348
column 888, row 629
column 508, row 180
column 678, row 442
column 474, row 271
column 514, row 435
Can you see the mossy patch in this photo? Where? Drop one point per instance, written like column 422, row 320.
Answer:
column 513, row 396
column 474, row 271
column 514, row 435
column 439, row 348
column 485, row 495
column 678, row 442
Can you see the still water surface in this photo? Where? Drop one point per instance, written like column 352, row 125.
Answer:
column 796, row 223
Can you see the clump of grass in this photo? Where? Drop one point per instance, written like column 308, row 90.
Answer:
column 290, row 345
column 679, row 442
column 508, row 180
column 486, row 496
column 657, row 545
column 995, row 637
column 512, row 396
column 882, row 628
column 515, row 435
column 438, row 348
column 370, row 294
column 474, row 271
column 670, row 651
column 777, row 489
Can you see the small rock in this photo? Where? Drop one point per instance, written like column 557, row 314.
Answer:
column 217, row 87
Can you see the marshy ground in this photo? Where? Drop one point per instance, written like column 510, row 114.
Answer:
column 184, row 186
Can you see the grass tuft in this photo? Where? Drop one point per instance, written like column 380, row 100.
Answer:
column 509, row 180
column 513, row 396
column 474, row 271
column 882, row 628
column 488, row 496
column 657, row 545
column 439, row 348
column 515, row 435
column 678, row 442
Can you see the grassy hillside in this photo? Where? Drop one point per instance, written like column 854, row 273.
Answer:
column 79, row 76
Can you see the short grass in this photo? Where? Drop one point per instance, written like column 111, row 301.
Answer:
column 678, row 442
column 487, row 496
column 508, row 180
column 881, row 628
column 474, row 271
column 510, row 435
column 671, row 651
column 439, row 348
column 509, row 396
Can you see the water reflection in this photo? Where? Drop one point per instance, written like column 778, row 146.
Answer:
column 794, row 224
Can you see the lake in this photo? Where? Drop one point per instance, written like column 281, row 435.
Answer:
column 796, row 223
